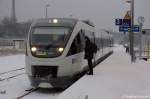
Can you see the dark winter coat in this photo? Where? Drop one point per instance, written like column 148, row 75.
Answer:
column 90, row 49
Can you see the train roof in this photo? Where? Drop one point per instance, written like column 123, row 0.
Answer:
column 89, row 23
column 60, row 21
column 55, row 22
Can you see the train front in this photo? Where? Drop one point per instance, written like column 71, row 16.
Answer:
column 46, row 64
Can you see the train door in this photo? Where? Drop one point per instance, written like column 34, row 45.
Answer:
column 75, row 53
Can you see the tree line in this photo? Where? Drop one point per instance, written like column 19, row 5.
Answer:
column 11, row 29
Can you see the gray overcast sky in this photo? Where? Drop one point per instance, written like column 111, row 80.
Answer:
column 102, row 12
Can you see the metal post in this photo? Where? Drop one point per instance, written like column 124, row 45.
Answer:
column 140, row 41
column 13, row 12
column 46, row 12
column 46, row 9
column 102, row 44
column 132, row 33
column 148, row 49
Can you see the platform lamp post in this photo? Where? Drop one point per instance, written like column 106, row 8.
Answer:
column 46, row 9
column 131, row 35
column 140, row 21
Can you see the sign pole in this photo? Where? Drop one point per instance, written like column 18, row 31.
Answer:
column 131, row 33
column 140, row 41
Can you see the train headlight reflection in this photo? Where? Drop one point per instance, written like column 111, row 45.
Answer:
column 33, row 49
column 60, row 49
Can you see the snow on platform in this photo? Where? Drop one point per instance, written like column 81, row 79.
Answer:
column 115, row 78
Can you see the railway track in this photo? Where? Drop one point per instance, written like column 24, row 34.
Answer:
column 52, row 92
column 4, row 76
column 7, row 78
column 11, row 71
column 11, row 74
column 27, row 93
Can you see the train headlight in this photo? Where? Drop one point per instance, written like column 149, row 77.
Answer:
column 55, row 21
column 33, row 49
column 60, row 49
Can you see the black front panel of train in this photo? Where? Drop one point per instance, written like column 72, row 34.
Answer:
column 45, row 71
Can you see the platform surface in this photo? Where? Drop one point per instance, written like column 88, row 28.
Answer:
column 115, row 78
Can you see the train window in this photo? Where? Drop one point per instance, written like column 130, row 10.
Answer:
column 76, row 46
column 82, row 32
column 73, row 49
column 82, row 36
column 80, row 44
column 90, row 35
column 49, row 39
column 78, row 39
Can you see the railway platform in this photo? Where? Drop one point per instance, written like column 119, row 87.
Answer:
column 114, row 78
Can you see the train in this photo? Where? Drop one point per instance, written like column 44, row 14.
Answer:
column 55, row 50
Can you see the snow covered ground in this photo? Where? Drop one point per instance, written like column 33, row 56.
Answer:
column 115, row 78
column 14, row 87
column 11, row 62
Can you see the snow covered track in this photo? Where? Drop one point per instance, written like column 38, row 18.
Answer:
column 27, row 93
column 7, row 78
column 11, row 74
column 11, row 71
column 53, row 92
column 14, row 87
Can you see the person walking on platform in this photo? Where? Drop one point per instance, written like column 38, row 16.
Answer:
column 90, row 49
column 127, row 48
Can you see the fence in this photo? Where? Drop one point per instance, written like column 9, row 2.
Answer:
column 145, row 52
column 12, row 43
column 12, row 46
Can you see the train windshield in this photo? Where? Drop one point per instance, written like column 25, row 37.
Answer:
column 48, row 40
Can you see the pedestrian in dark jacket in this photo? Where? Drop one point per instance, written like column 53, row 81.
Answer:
column 127, row 49
column 90, row 49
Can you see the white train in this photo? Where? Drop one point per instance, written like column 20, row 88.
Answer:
column 55, row 50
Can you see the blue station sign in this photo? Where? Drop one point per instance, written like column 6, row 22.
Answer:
column 126, row 22
column 124, row 28
column 118, row 21
column 136, row 28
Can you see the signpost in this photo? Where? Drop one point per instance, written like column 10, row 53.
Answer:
column 128, row 24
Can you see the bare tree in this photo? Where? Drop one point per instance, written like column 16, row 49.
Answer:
column 10, row 29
